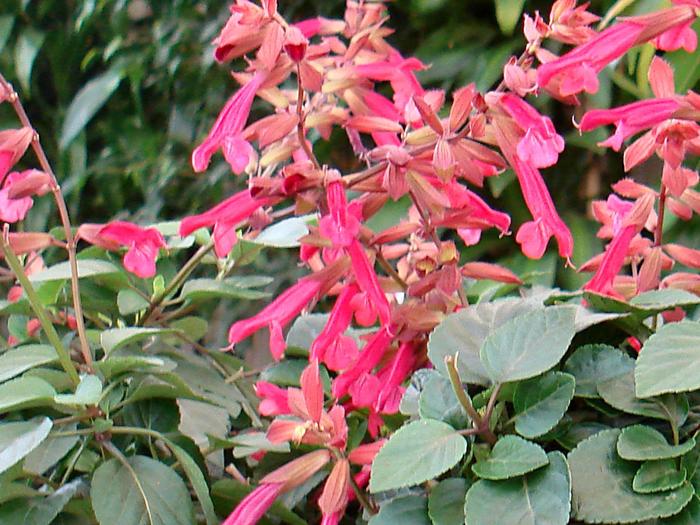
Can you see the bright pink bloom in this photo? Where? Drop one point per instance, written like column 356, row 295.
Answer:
column 629, row 119
column 541, row 144
column 342, row 224
column 312, row 389
column 274, row 399
column 254, row 505
column 368, row 282
column 224, row 217
column 143, row 244
column 681, row 36
column 226, row 132
column 16, row 192
column 578, row 69
column 334, row 497
column 13, row 144
column 338, row 322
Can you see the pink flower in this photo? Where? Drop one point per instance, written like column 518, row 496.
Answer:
column 254, row 505
column 143, row 244
column 274, row 400
column 368, row 282
column 226, row 132
column 338, row 322
column 224, row 217
column 541, row 144
column 16, row 192
column 13, row 144
column 342, row 224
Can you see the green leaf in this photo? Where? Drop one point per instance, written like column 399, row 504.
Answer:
column 203, row 289
column 690, row 462
column 88, row 392
column 86, row 268
column 52, row 450
column 690, row 515
column 446, row 502
column 664, row 299
column 511, row 456
column 465, row 332
column 542, row 497
column 658, row 476
column 17, row 439
column 528, row 345
column 438, row 401
column 129, row 302
column 508, row 14
column 669, row 360
column 541, row 402
column 417, row 452
column 642, row 443
column 116, row 364
column 406, row 510
column 592, row 364
column 88, row 101
column 147, row 494
column 602, row 485
column 40, row 510
column 578, row 432
column 119, row 337
column 27, row 48
column 18, row 360
column 286, row 233
column 7, row 22
column 25, row 392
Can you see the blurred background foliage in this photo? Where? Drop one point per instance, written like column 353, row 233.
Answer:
column 122, row 90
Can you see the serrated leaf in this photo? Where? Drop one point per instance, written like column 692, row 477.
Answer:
column 465, row 332
column 541, row 402
column 87, row 102
column 643, row 443
column 119, row 337
column 690, row 515
column 417, row 452
column 664, row 299
column 669, row 360
column 118, row 494
column 542, row 497
column 579, row 432
column 593, row 364
column 602, row 485
column 658, row 476
column 407, row 510
column 86, row 268
column 511, row 456
column 446, row 502
column 87, row 392
column 20, row 359
column 528, row 345
column 25, row 392
column 202, row 289
column 438, row 401
column 17, row 439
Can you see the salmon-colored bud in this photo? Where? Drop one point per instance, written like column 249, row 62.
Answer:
column 369, row 124
column 296, row 472
column 631, row 189
column 90, row 233
column 683, row 281
column 517, row 79
column 33, row 182
column 364, row 454
column 494, row 272
column 650, row 272
column 271, row 45
column 461, row 106
column 285, row 430
column 312, row 389
column 428, row 115
column 13, row 144
column 395, row 233
column 686, row 256
column 33, row 327
column 639, row 213
column 334, row 497
column 22, row 243
column 443, row 160
column 295, row 44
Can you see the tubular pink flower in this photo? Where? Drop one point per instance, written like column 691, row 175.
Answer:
column 273, row 399
column 338, row 321
column 368, row 282
column 541, row 144
column 143, row 243
column 312, row 389
column 578, row 69
column 254, row 505
column 13, row 144
column 226, row 132
column 629, row 119
column 392, row 377
column 16, row 192
column 224, row 217
column 342, row 224
column 534, row 236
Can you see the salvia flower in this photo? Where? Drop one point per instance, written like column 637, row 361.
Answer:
column 16, row 193
column 143, row 246
column 13, row 144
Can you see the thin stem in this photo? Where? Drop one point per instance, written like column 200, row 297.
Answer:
column 177, row 281
column 65, row 220
column 492, row 403
column 41, row 314
column 659, row 232
column 462, row 396
column 301, row 132
column 388, row 268
column 362, row 497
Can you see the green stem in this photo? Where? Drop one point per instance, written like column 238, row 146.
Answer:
column 16, row 266
column 462, row 396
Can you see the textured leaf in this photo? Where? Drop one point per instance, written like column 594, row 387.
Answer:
column 593, row 364
column 129, row 302
column 669, row 360
column 511, row 456
column 542, row 497
column 541, row 402
column 39, row 510
column 417, row 452
column 528, row 345
column 17, row 439
column 52, row 450
column 25, row 392
column 406, row 510
column 690, row 515
column 119, row 337
column 88, row 392
column 18, row 360
column 465, row 332
column 202, row 289
column 118, row 494
column 86, row 268
column 199, row 483
column 438, row 401
column 643, row 443
column 446, row 502
column 602, row 485
column 88, row 101
column 657, row 476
